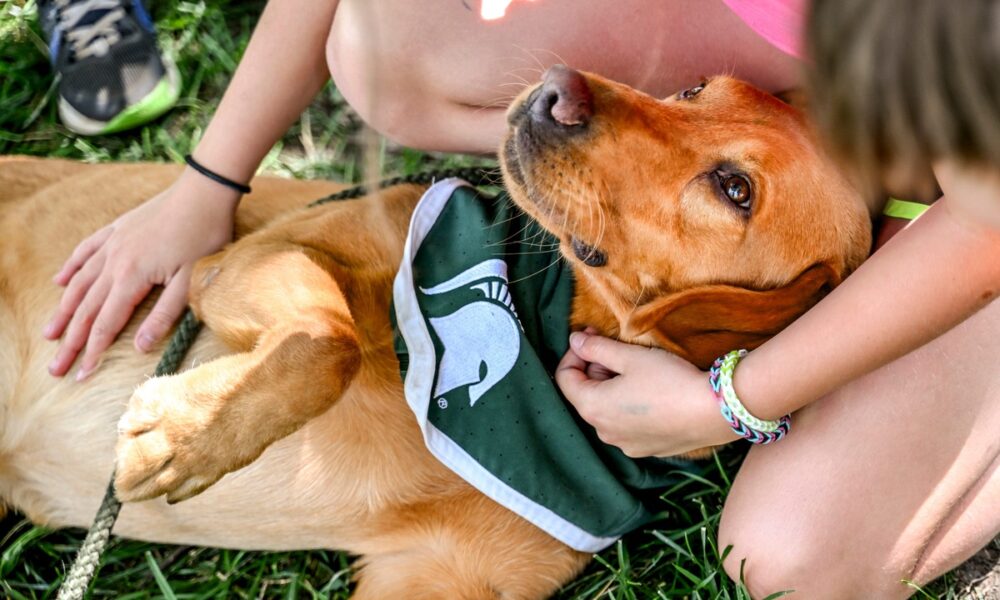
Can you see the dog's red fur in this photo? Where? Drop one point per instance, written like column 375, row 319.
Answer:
column 296, row 391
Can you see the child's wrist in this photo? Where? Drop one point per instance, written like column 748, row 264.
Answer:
column 216, row 177
column 747, row 385
column 744, row 422
column 192, row 187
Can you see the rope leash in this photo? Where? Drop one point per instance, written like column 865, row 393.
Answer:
column 74, row 587
column 88, row 557
column 477, row 176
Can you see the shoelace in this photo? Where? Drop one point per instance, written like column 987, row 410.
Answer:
column 90, row 39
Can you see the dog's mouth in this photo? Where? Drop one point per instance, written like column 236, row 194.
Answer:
column 512, row 162
column 519, row 153
column 529, row 182
column 515, row 147
column 541, row 153
column 590, row 255
column 518, row 112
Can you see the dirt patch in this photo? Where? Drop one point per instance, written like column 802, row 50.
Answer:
column 979, row 577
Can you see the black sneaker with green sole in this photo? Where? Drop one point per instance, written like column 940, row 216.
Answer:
column 112, row 76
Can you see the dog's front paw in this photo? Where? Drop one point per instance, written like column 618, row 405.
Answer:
column 171, row 441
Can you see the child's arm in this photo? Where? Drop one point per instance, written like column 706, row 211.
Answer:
column 156, row 243
column 926, row 280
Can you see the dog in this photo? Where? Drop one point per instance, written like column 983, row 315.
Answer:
column 698, row 223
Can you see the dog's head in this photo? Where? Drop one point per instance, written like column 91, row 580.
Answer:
column 702, row 222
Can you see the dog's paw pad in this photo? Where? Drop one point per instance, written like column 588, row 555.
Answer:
column 150, row 440
column 168, row 442
column 140, row 462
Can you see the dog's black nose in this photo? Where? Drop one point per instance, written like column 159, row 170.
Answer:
column 564, row 98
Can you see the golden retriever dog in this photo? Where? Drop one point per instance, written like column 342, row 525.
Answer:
column 698, row 223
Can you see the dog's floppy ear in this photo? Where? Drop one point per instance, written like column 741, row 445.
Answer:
column 702, row 323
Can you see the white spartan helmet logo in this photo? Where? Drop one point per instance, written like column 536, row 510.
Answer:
column 485, row 332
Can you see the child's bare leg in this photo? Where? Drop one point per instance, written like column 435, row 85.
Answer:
column 434, row 75
column 896, row 476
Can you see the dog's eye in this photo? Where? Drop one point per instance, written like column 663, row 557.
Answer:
column 736, row 188
column 691, row 92
column 591, row 256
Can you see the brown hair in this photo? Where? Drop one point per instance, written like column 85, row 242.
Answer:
column 897, row 84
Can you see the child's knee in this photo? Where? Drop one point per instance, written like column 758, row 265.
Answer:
column 760, row 559
column 768, row 553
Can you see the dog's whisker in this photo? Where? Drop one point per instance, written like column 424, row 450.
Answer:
column 638, row 299
column 602, row 198
column 521, row 81
column 590, row 216
column 528, row 59
column 501, row 104
column 504, row 222
column 532, row 70
column 531, row 54
column 526, row 253
column 537, row 244
column 525, row 237
column 512, row 238
column 517, row 85
column 538, row 272
column 500, row 98
column 555, row 54
column 601, row 224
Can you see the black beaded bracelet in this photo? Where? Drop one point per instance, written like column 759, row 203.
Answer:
column 229, row 183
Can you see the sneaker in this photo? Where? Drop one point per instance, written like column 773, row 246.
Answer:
column 112, row 76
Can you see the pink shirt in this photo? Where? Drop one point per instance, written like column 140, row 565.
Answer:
column 780, row 22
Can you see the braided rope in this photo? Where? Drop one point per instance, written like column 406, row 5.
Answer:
column 477, row 176
column 74, row 587
column 88, row 557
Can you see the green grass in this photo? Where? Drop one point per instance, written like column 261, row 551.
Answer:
column 676, row 559
column 206, row 39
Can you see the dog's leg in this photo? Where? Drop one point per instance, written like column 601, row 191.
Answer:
column 302, row 302
column 279, row 303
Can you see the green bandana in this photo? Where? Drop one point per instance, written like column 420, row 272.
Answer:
column 481, row 309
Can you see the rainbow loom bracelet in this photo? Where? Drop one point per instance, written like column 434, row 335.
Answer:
column 747, row 426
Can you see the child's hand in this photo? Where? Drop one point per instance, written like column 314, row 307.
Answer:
column 645, row 401
column 114, row 269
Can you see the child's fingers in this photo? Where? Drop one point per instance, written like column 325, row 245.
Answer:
column 599, row 372
column 79, row 327
column 114, row 313
column 74, row 294
column 168, row 308
column 81, row 254
column 614, row 355
column 574, row 382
